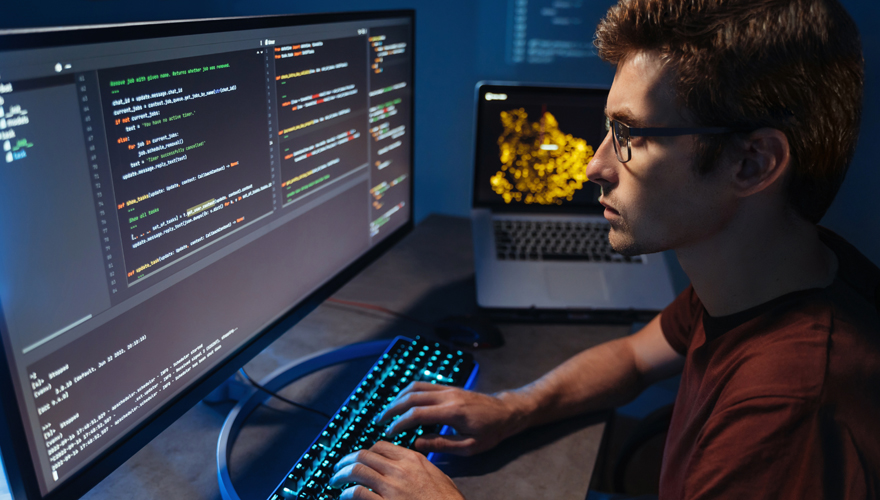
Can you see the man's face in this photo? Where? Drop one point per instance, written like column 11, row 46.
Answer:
column 656, row 201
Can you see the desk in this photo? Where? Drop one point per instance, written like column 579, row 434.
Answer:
column 429, row 276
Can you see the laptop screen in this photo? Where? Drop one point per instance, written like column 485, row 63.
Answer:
column 533, row 147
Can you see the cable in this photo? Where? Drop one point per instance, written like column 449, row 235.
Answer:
column 385, row 310
column 347, row 303
column 282, row 398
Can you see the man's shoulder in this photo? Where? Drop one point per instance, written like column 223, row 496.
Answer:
column 854, row 299
column 782, row 354
column 853, row 375
column 856, row 290
column 815, row 342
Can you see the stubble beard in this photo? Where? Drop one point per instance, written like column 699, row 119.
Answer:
column 624, row 242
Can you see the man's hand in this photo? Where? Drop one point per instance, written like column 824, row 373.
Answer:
column 392, row 473
column 480, row 421
column 604, row 376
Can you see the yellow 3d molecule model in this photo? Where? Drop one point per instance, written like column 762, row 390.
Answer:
column 539, row 163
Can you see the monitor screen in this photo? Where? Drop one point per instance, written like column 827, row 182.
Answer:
column 533, row 146
column 170, row 192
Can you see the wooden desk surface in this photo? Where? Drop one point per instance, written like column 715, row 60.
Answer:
column 429, row 276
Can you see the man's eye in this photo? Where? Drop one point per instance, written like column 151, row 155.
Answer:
column 607, row 124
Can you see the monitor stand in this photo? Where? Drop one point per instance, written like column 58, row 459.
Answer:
column 249, row 397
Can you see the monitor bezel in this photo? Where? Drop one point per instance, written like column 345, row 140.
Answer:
column 14, row 448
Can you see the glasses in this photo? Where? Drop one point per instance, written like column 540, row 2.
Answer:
column 621, row 135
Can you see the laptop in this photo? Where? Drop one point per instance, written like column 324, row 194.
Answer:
column 540, row 239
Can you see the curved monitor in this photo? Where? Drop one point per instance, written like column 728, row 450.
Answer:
column 173, row 197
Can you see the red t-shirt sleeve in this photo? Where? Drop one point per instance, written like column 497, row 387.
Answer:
column 761, row 448
column 678, row 320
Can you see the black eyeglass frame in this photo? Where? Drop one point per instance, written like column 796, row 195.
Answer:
column 616, row 127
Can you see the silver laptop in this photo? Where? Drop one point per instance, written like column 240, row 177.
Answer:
column 540, row 240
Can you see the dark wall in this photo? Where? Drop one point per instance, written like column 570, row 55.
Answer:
column 855, row 213
column 459, row 42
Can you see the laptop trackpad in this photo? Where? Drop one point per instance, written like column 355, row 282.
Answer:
column 576, row 286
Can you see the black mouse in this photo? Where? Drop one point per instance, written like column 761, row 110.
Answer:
column 471, row 332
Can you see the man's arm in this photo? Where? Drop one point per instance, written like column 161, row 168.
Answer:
column 605, row 376
column 602, row 377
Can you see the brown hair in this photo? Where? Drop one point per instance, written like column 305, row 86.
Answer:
column 792, row 65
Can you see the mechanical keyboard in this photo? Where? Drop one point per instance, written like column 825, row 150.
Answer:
column 353, row 427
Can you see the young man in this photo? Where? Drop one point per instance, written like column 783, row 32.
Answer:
column 731, row 126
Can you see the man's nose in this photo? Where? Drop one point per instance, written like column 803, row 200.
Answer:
column 602, row 169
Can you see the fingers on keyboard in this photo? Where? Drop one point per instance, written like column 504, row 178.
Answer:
column 410, row 400
column 449, row 443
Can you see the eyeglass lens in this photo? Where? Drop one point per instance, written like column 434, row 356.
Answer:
column 620, row 139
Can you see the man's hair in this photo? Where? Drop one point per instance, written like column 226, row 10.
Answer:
column 792, row 65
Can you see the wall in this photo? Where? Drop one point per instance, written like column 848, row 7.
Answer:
column 459, row 42
column 855, row 214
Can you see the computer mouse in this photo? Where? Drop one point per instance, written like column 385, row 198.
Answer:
column 470, row 332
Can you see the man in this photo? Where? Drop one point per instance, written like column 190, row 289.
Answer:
column 731, row 126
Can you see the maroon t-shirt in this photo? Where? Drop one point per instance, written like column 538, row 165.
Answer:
column 782, row 400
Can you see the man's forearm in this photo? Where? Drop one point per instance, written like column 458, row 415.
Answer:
column 596, row 379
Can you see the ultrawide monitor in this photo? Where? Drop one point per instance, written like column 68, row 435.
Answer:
column 173, row 196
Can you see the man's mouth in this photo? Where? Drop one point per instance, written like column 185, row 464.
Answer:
column 609, row 208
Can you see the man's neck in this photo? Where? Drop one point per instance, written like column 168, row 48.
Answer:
column 757, row 258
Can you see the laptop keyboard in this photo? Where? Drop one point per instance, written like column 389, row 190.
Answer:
column 556, row 240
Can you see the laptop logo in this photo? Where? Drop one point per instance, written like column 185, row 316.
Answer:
column 495, row 97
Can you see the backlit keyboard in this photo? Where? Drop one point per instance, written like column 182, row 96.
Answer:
column 353, row 426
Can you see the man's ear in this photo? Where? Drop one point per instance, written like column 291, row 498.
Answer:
column 762, row 158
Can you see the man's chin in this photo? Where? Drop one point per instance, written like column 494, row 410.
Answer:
column 628, row 250
column 624, row 243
